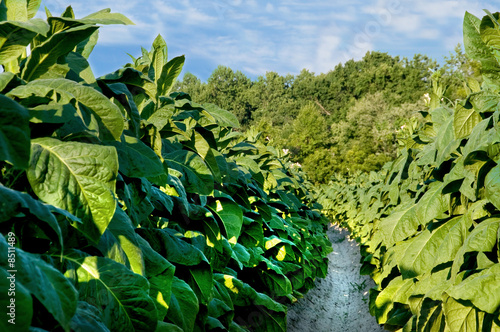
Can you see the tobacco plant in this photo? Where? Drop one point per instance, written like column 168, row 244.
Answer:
column 127, row 207
column 428, row 223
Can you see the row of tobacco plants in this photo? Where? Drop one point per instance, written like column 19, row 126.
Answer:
column 428, row 223
column 124, row 207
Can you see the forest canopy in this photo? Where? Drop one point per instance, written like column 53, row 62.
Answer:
column 342, row 121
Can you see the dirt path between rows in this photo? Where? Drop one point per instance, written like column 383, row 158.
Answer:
column 340, row 301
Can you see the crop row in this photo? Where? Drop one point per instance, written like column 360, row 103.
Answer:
column 126, row 207
column 428, row 223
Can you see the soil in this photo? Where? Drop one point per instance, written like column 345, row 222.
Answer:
column 340, row 301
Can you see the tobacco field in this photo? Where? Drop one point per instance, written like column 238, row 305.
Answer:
column 132, row 208
column 428, row 222
column 126, row 205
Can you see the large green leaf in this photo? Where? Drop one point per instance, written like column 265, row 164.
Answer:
column 121, row 295
column 43, row 281
column 160, row 274
column 490, row 33
column 183, row 306
column 120, row 243
column 252, row 166
column 32, row 7
column 224, row 118
column 433, row 247
column 80, row 70
column 446, row 143
column 492, row 186
column 274, row 278
column 201, row 146
column 272, row 313
column 132, row 77
column 138, row 160
column 231, row 216
column 17, row 10
column 159, row 58
column 195, row 266
column 45, row 55
column 461, row 318
column 13, row 203
column 86, row 46
column 87, row 318
column 76, row 177
column 120, row 92
column 482, row 239
column 399, row 224
column 196, row 176
column 91, row 103
column 22, row 309
column 433, row 204
column 14, row 133
column 475, row 47
column 431, row 317
column 105, row 16
column 169, row 74
column 15, row 36
column 465, row 119
column 398, row 290
column 481, row 289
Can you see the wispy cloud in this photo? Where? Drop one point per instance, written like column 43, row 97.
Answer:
column 283, row 35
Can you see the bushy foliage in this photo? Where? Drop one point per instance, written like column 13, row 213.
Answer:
column 127, row 207
column 428, row 222
column 297, row 111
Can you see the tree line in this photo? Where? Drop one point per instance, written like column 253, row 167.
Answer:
column 342, row 121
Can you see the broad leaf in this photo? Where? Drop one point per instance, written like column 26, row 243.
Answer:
column 230, row 215
column 105, row 16
column 121, row 295
column 182, row 254
column 196, row 176
column 243, row 295
column 224, row 118
column 399, row 224
column 13, row 203
column 121, row 244
column 465, row 119
column 43, row 281
column 475, row 47
column 77, row 177
column 45, row 55
column 159, row 58
column 133, row 77
column 87, row 318
column 160, row 274
column 95, row 104
column 398, row 290
column 461, row 318
column 480, row 289
column 137, row 160
column 183, row 306
column 14, row 133
column 169, row 74
column 15, row 36
column 431, row 248
column 433, row 204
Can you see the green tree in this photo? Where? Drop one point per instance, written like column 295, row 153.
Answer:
column 193, row 86
column 367, row 138
column 228, row 89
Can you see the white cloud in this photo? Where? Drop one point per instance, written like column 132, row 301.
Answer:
column 284, row 35
column 326, row 53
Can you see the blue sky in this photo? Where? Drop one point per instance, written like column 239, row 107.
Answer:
column 255, row 36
